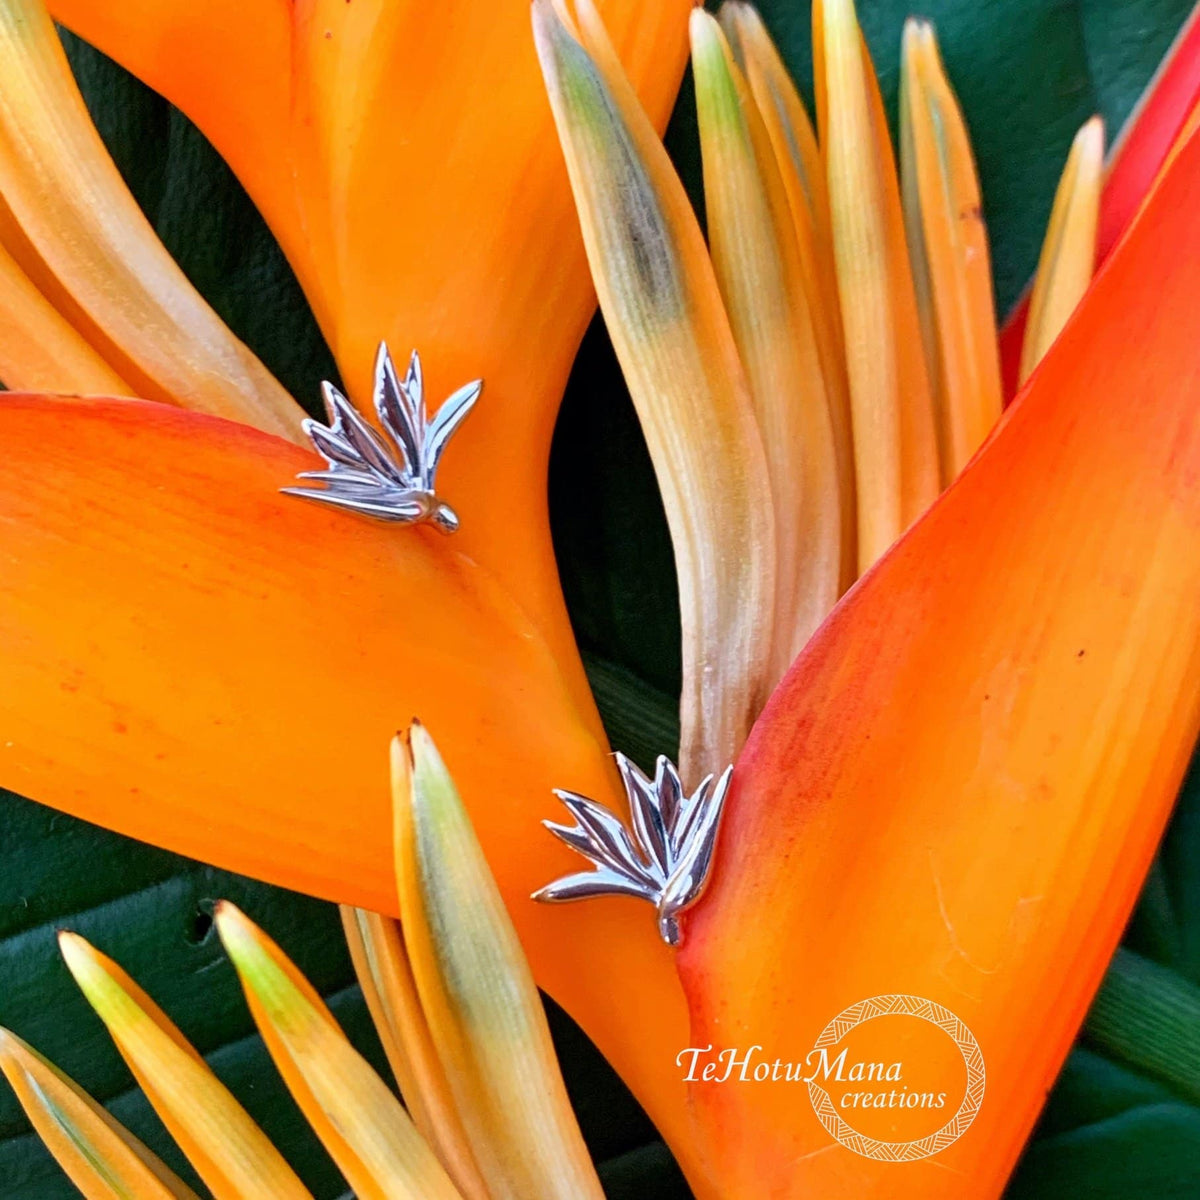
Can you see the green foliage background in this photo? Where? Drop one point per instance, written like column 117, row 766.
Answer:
column 1125, row 1115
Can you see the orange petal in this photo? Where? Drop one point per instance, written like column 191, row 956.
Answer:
column 959, row 787
column 787, row 119
column 803, row 172
column 231, row 1154
column 385, row 142
column 358, row 1118
column 918, row 441
column 227, row 64
column 195, row 660
column 673, row 338
column 762, row 281
column 477, row 993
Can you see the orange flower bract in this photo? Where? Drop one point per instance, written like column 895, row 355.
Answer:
column 386, row 144
column 959, row 784
column 957, row 790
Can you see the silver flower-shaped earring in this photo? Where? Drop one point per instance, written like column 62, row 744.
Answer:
column 666, row 857
column 366, row 474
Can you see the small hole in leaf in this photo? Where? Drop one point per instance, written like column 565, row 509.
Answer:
column 200, row 926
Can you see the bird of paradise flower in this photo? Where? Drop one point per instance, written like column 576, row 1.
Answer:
column 474, row 636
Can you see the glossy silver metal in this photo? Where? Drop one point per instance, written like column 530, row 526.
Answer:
column 664, row 858
column 389, row 478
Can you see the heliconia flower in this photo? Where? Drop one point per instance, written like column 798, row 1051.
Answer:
column 169, row 619
column 958, row 788
column 198, row 614
column 385, row 143
column 972, row 760
column 490, row 1118
column 857, row 298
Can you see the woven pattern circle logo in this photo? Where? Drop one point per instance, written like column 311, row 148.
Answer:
column 920, row 1009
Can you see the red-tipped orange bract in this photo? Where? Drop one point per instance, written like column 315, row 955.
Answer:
column 958, row 788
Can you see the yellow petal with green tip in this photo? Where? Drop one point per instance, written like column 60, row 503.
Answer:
column 671, row 333
column 230, row 1153
column 484, row 1012
column 384, row 972
column 949, row 247
column 759, row 59
column 1068, row 258
column 78, row 233
column 757, row 261
column 101, row 1158
column 358, row 1119
column 802, row 169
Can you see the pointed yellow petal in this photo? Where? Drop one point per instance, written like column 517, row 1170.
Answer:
column 39, row 349
column 776, row 93
column 860, row 254
column 78, row 233
column 758, row 269
column 478, row 995
column 101, row 1158
column 1068, row 258
column 951, row 261
column 803, row 172
column 359, row 1121
column 230, row 1153
column 672, row 336
column 892, row 413
column 918, row 439
column 385, row 974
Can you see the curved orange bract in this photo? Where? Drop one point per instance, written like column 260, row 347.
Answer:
column 227, row 64
column 957, row 790
column 195, row 660
column 404, row 155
